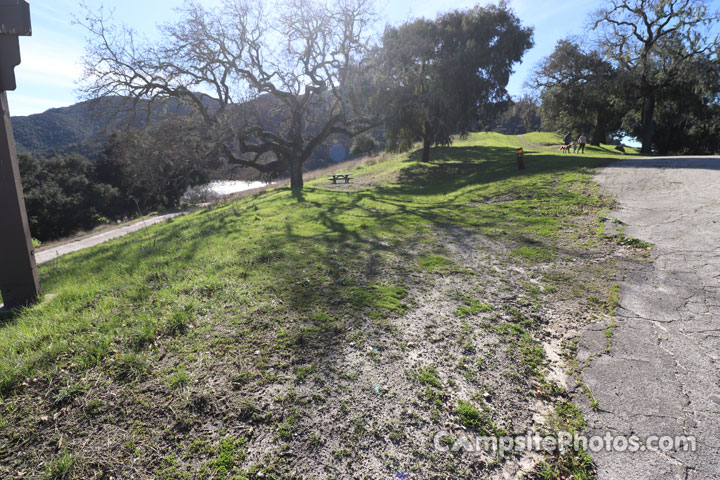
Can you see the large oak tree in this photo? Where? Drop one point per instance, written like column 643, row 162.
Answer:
column 447, row 76
column 270, row 81
column 655, row 41
column 580, row 91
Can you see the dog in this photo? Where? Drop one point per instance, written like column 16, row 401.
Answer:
column 565, row 148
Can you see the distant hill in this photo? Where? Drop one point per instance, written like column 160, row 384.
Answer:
column 81, row 128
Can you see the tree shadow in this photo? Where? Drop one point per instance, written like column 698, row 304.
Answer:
column 8, row 316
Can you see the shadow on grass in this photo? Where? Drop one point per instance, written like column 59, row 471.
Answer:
column 385, row 209
column 7, row 316
column 453, row 168
column 321, row 251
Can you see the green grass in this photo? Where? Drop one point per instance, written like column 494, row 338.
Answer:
column 478, row 420
column 435, row 263
column 429, row 377
column 472, row 307
column 572, row 464
column 61, row 467
column 269, row 284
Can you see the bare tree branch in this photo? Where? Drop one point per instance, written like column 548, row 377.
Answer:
column 264, row 79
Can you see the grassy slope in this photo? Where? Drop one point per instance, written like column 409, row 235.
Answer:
column 325, row 335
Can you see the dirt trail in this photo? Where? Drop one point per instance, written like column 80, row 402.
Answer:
column 661, row 374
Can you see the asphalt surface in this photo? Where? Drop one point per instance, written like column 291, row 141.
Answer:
column 51, row 253
column 661, row 375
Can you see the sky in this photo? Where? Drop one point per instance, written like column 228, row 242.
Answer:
column 50, row 69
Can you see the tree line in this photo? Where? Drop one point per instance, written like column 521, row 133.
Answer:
column 650, row 69
column 138, row 172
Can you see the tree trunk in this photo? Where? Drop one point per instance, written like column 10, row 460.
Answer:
column 427, row 143
column 296, row 175
column 647, row 129
column 597, row 135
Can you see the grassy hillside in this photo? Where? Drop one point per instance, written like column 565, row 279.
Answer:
column 326, row 335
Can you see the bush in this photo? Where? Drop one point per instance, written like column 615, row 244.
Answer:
column 62, row 195
column 363, row 143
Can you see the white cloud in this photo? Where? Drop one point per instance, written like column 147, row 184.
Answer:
column 48, row 70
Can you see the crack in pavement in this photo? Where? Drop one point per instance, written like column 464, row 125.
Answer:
column 660, row 377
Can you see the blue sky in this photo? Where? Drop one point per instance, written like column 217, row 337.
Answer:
column 50, row 70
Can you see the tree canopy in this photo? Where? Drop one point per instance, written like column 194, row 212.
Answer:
column 655, row 41
column 153, row 168
column 580, row 90
column 449, row 75
column 63, row 195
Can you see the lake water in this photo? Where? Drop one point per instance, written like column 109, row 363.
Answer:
column 213, row 190
column 226, row 187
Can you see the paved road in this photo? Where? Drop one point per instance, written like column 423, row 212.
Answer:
column 48, row 254
column 661, row 376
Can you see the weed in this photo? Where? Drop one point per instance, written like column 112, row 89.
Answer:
column 429, row 377
column 471, row 417
column 68, row 393
column 287, row 427
column 177, row 323
column 533, row 254
column 94, row 407
column 180, row 378
column 230, row 452
column 473, row 307
column 573, row 464
column 435, row 263
column 566, row 417
column 61, row 468
column 169, row 469
column 613, row 300
column 130, row 366
column 143, row 336
column 301, row 373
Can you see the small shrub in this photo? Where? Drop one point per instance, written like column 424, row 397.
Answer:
column 363, row 143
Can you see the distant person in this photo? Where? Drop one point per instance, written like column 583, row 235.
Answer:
column 581, row 143
column 575, row 145
column 567, row 139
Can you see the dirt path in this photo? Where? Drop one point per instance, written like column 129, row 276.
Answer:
column 50, row 253
column 660, row 376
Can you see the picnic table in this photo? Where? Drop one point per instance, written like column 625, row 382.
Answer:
column 338, row 176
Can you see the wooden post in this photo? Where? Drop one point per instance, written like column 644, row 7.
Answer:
column 19, row 281
column 520, row 159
